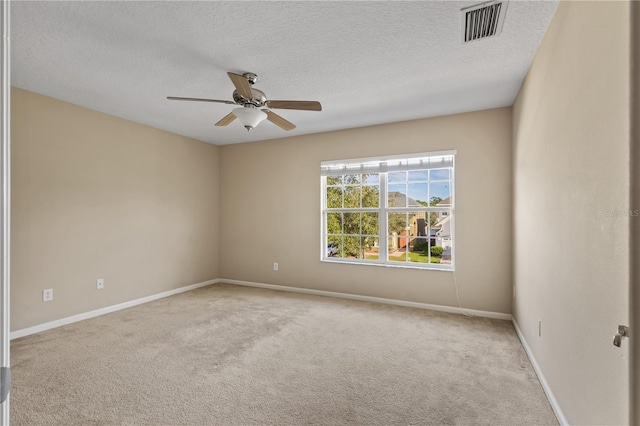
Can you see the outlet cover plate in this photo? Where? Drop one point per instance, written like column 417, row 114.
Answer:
column 47, row 295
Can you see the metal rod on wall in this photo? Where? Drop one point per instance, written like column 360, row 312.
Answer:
column 5, row 199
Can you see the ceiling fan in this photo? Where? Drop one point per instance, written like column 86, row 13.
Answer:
column 251, row 101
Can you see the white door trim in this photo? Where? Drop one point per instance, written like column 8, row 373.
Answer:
column 5, row 197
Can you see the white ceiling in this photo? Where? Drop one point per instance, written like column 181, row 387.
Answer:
column 366, row 62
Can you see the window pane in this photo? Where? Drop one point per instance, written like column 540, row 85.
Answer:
column 439, row 174
column 370, row 196
column 334, row 223
column 397, row 223
column 440, row 189
column 445, row 259
column 395, row 177
column 371, row 179
column 334, row 197
column 370, row 248
column 334, row 180
column 419, row 250
column 352, row 247
column 420, row 193
column 417, row 224
column 443, row 238
column 334, row 246
column 351, row 196
column 351, row 179
column 438, row 202
column 397, row 252
column 370, row 224
column 397, row 195
column 352, row 223
column 418, row 175
column 434, row 218
column 437, row 252
column 441, row 217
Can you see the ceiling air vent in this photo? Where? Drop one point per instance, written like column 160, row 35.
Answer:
column 482, row 20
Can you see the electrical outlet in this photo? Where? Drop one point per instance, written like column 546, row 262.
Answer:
column 275, row 266
column 47, row 295
column 539, row 328
column 100, row 283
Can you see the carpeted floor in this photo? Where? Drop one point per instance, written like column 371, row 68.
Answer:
column 229, row 355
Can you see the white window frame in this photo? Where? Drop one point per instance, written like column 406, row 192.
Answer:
column 363, row 165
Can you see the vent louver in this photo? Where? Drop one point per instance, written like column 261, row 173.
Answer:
column 483, row 20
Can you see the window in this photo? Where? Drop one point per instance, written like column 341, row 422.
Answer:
column 394, row 211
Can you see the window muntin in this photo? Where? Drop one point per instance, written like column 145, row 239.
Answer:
column 398, row 212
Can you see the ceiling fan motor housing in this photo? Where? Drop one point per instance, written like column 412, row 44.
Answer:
column 259, row 99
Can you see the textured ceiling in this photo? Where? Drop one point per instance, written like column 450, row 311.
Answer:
column 366, row 62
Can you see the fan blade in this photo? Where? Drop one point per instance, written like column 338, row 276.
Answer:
column 175, row 98
column 242, row 84
column 279, row 121
column 226, row 119
column 304, row 105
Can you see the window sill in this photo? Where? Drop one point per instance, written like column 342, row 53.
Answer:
column 431, row 267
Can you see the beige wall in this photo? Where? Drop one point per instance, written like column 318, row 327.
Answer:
column 270, row 210
column 95, row 196
column 571, row 136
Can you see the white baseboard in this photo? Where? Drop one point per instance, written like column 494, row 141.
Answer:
column 441, row 308
column 545, row 385
column 102, row 311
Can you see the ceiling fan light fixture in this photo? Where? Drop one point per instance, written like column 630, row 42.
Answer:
column 252, row 100
column 249, row 116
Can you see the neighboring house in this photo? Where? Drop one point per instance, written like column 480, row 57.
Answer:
column 439, row 234
column 443, row 232
column 417, row 223
column 444, row 203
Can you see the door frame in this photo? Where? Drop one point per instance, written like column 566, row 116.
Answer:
column 634, row 258
column 5, row 197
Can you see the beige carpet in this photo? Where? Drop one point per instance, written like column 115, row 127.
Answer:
column 233, row 355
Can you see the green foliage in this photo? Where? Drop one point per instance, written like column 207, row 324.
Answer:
column 334, row 180
column 346, row 191
column 351, row 179
column 435, row 200
column 334, row 223
column 370, row 195
column 370, row 223
column 397, row 222
column 414, row 257
column 352, row 196
column 334, row 197
column 433, row 218
column 351, row 247
column 352, row 223
column 421, row 247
